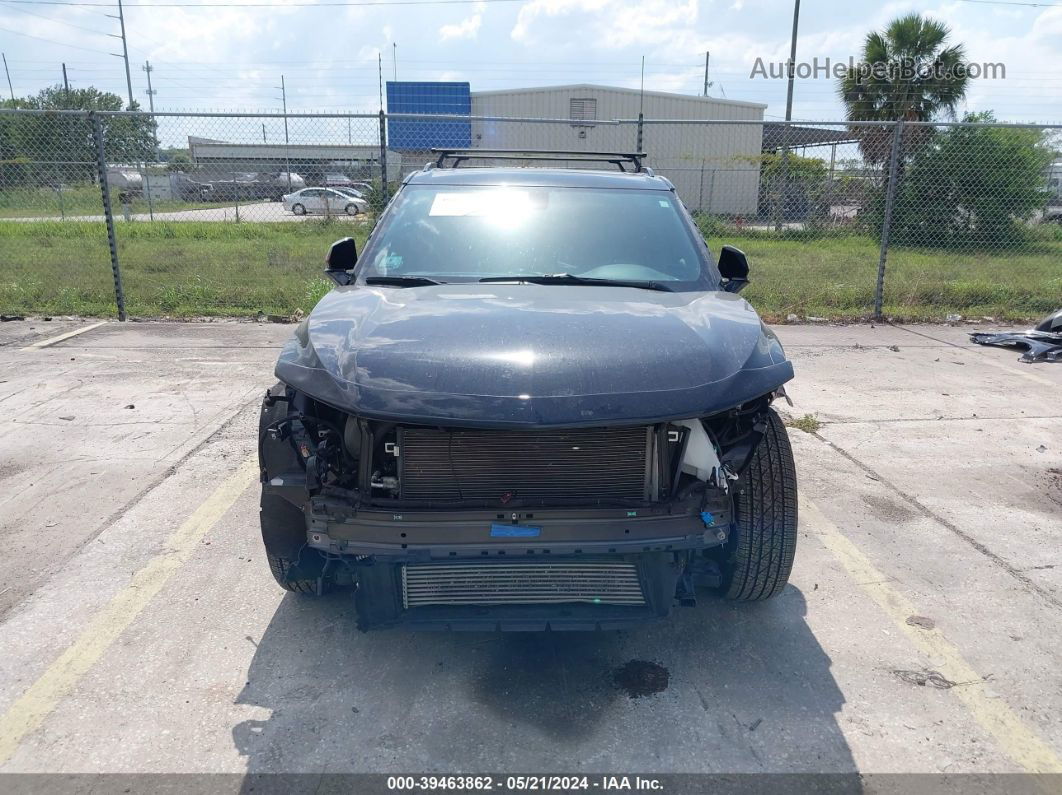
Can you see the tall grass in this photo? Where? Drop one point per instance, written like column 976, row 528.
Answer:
column 226, row 269
column 172, row 269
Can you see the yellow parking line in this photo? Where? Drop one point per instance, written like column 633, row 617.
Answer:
column 1014, row 738
column 42, row 697
column 59, row 338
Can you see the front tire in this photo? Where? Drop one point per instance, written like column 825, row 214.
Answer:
column 295, row 566
column 298, row 209
column 351, row 209
column 759, row 555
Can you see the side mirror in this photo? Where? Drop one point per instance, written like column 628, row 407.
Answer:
column 341, row 259
column 734, row 268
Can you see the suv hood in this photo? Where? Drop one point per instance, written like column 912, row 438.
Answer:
column 527, row 355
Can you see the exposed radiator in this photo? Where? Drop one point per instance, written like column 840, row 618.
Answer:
column 523, row 583
column 504, row 465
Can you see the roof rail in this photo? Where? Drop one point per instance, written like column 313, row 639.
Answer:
column 457, row 156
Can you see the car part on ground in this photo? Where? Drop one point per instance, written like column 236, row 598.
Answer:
column 476, row 445
column 1040, row 344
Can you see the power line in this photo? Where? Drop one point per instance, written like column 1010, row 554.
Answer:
column 1013, row 3
column 53, row 41
column 53, row 19
column 326, row 4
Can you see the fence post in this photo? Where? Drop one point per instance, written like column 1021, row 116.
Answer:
column 105, row 192
column 236, row 195
column 783, row 182
column 639, row 138
column 886, row 222
column 384, row 189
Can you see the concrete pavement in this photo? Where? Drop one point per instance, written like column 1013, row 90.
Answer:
column 143, row 632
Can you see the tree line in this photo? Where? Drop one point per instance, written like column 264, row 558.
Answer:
column 53, row 148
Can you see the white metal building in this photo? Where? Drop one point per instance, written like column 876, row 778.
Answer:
column 359, row 159
column 715, row 167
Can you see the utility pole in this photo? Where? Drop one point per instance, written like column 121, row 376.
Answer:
column 284, row 99
column 706, row 83
column 125, row 50
column 639, row 141
column 8, row 73
column 791, row 73
column 394, row 59
column 641, row 91
column 66, row 85
column 379, row 71
column 148, row 68
column 792, row 62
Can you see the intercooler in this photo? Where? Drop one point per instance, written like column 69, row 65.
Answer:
column 501, row 466
column 521, row 583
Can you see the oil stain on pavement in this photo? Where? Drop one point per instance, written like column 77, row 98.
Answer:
column 641, row 678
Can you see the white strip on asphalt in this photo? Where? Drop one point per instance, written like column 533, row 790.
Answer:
column 52, row 340
column 1014, row 738
column 42, row 697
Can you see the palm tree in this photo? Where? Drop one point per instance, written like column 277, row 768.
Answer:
column 907, row 73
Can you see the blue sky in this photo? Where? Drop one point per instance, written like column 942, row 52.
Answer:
column 228, row 58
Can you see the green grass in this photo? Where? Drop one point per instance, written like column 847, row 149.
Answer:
column 194, row 269
column 175, row 269
column 809, row 423
column 834, row 277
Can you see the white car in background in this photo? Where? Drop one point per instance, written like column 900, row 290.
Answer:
column 323, row 200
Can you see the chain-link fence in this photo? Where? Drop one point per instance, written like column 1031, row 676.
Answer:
column 215, row 214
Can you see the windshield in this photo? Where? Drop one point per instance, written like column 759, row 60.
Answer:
column 454, row 234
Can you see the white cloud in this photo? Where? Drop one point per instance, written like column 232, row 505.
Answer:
column 467, row 28
column 608, row 24
column 551, row 8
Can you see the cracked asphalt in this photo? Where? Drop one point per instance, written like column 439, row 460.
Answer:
column 142, row 632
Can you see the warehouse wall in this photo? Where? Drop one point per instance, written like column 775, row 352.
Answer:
column 714, row 167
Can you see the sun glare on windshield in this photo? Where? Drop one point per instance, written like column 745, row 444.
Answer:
column 505, row 208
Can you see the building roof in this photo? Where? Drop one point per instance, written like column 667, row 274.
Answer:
column 619, row 89
column 204, row 149
column 539, row 177
column 777, row 134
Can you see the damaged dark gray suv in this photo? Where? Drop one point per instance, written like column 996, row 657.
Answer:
column 534, row 401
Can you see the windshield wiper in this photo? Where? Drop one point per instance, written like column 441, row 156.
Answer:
column 402, row 281
column 569, row 278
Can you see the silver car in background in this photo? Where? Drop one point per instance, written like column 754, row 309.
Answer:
column 323, row 200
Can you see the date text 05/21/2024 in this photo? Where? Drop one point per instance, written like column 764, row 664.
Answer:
column 544, row 783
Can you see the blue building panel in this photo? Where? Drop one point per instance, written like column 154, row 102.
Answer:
column 425, row 98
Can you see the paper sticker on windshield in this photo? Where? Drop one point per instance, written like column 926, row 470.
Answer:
column 480, row 202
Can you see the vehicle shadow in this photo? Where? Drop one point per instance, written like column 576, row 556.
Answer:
column 746, row 688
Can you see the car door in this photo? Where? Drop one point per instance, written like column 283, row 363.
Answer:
column 311, row 200
column 332, row 201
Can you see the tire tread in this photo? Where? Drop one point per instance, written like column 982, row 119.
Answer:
column 761, row 559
